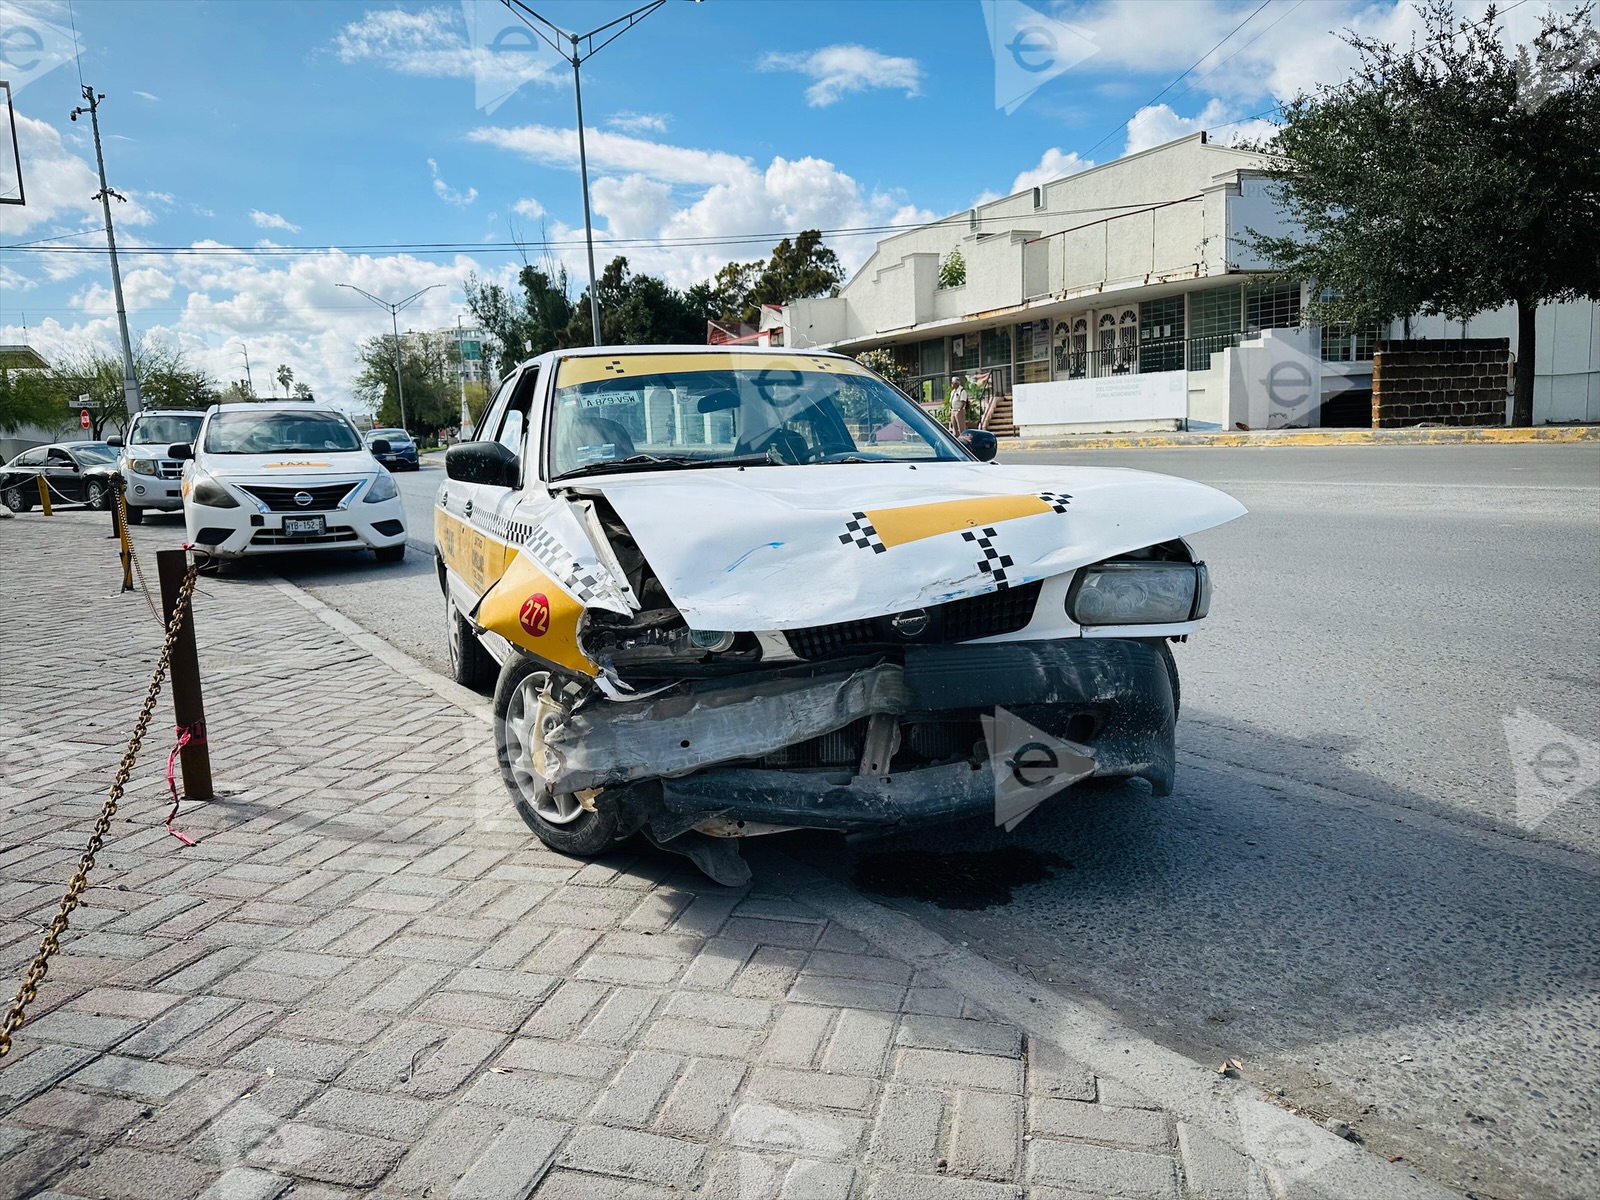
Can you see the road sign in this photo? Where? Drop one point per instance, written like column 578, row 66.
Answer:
column 83, row 418
column 88, row 401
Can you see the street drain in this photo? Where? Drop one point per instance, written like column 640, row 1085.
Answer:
column 968, row 880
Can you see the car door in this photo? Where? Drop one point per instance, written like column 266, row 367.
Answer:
column 476, row 537
column 20, row 472
column 63, row 475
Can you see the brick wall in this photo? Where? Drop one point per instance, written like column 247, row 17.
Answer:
column 1460, row 381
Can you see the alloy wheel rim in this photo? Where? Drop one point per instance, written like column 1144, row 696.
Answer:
column 525, row 720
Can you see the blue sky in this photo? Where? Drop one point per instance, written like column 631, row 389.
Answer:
column 251, row 125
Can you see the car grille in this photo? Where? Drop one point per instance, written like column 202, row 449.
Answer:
column 282, row 499
column 277, row 537
column 989, row 615
column 168, row 468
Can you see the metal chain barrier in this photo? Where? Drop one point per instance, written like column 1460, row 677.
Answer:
column 120, row 500
column 40, row 967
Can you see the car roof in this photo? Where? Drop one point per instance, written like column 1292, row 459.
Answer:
column 295, row 406
column 170, row 412
column 621, row 351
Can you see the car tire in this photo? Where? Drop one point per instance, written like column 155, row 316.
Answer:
column 18, row 500
column 1172, row 674
column 470, row 664
column 96, row 495
column 135, row 515
column 559, row 822
column 390, row 554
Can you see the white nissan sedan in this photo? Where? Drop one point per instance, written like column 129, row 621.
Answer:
column 265, row 478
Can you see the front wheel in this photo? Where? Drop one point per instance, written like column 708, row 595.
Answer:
column 135, row 515
column 470, row 664
column 521, row 714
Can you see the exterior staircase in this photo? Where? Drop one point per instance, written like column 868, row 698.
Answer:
column 998, row 420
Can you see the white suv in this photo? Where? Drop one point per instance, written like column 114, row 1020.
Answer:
column 269, row 478
column 150, row 474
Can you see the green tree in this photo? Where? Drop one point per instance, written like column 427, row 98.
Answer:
column 1449, row 176
column 237, row 392
column 635, row 310
column 285, row 378
column 520, row 327
column 952, row 270
column 796, row 270
column 28, row 397
column 166, row 380
column 429, row 367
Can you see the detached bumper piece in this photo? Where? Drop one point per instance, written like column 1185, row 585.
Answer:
column 866, row 745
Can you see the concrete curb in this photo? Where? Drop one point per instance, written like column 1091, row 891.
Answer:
column 1441, row 436
column 1284, row 1156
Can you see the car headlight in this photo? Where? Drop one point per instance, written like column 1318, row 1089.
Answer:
column 142, row 466
column 382, row 488
column 1139, row 593
column 203, row 489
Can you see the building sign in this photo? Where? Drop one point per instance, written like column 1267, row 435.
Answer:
column 1113, row 400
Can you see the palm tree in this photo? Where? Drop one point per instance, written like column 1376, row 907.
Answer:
column 285, row 377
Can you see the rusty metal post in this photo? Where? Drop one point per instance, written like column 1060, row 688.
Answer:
column 119, row 529
column 188, row 707
column 44, row 495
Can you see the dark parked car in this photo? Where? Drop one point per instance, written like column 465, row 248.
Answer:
column 76, row 472
column 402, row 452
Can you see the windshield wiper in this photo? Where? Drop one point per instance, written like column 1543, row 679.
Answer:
column 632, row 461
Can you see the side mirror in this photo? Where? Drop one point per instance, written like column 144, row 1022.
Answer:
column 180, row 450
column 482, row 462
column 379, row 446
column 980, row 443
column 115, row 441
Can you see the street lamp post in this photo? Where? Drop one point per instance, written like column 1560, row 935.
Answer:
column 577, row 57
column 394, row 308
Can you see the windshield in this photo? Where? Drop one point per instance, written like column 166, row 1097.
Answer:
column 95, row 454
column 389, row 435
column 158, row 429
column 714, row 409
column 279, row 432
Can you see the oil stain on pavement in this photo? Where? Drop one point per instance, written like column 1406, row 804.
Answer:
column 969, row 880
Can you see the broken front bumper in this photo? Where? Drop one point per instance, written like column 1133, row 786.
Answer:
column 704, row 741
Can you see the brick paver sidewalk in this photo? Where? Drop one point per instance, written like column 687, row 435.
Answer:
column 368, row 978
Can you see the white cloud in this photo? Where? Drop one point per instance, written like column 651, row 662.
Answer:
column 1053, row 164
column 837, row 70
column 632, row 122
column 1157, row 123
column 633, row 206
column 266, row 220
column 447, row 193
column 529, row 208
column 430, row 42
column 146, row 96
column 142, row 288
column 613, row 152
column 59, row 185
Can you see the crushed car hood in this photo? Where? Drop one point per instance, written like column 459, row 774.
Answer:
column 784, row 547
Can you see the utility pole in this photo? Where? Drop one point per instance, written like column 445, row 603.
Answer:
column 394, row 308
column 577, row 58
column 130, row 380
column 461, row 372
column 248, row 377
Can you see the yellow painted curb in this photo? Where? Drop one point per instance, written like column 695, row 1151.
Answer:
column 1443, row 436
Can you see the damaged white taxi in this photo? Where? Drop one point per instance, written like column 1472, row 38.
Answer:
column 727, row 592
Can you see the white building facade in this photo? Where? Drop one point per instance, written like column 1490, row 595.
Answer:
column 1126, row 298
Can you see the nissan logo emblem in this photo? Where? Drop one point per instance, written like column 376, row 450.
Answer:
column 302, row 498
column 910, row 624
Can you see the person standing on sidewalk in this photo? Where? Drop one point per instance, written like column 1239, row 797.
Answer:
column 958, row 406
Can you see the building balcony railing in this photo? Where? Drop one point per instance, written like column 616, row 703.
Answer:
column 1202, row 348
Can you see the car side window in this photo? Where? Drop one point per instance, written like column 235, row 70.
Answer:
column 60, row 458
column 515, row 423
column 29, row 458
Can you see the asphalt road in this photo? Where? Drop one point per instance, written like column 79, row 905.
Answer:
column 1343, row 892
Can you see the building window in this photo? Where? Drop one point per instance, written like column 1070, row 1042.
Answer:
column 1346, row 343
column 1272, row 306
column 1215, row 321
column 931, row 382
column 995, row 352
column 964, row 352
column 1161, row 334
column 1033, row 352
column 1072, row 348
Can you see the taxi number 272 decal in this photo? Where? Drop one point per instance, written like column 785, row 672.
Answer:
column 535, row 614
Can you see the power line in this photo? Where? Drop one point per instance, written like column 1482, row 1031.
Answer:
column 1176, row 81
